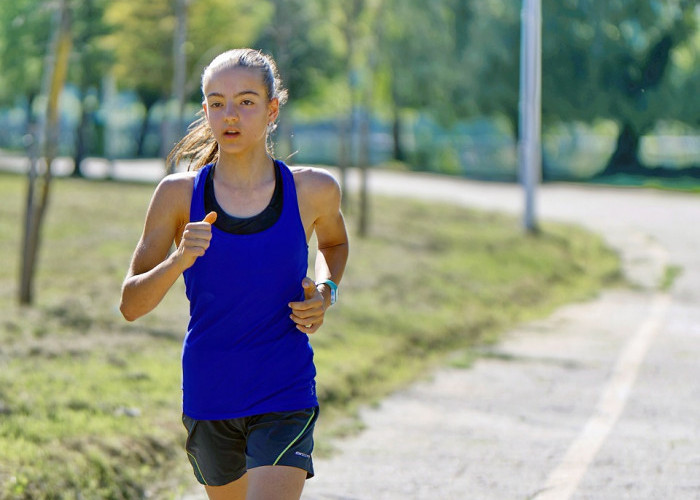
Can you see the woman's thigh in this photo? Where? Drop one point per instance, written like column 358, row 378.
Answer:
column 277, row 482
column 235, row 490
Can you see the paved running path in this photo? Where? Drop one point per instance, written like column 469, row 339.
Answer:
column 599, row 401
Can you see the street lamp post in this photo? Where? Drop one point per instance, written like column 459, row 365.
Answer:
column 529, row 144
column 179, row 74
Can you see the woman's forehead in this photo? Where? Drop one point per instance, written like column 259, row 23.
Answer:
column 233, row 80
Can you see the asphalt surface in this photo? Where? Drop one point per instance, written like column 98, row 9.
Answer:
column 599, row 401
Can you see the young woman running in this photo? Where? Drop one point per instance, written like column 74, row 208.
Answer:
column 241, row 222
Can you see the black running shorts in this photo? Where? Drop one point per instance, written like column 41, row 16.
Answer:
column 221, row 451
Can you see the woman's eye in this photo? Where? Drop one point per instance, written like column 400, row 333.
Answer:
column 247, row 102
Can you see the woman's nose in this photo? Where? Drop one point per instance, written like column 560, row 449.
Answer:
column 231, row 113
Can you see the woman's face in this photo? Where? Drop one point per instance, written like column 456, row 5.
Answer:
column 238, row 109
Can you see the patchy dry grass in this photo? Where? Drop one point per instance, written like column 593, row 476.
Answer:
column 91, row 404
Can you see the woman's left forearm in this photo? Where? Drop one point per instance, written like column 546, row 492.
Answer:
column 330, row 264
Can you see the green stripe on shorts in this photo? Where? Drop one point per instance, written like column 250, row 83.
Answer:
column 313, row 414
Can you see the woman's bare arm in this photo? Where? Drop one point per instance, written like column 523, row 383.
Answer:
column 319, row 197
column 153, row 270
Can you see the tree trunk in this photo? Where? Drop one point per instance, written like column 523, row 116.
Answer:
column 344, row 160
column 397, row 130
column 346, row 129
column 55, row 76
column 625, row 158
column 143, row 132
column 365, row 149
column 281, row 37
column 363, row 160
column 31, row 119
column 81, row 139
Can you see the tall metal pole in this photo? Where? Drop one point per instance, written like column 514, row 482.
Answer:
column 179, row 73
column 529, row 147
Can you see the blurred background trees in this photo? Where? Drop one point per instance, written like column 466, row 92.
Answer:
column 425, row 85
column 617, row 59
column 24, row 39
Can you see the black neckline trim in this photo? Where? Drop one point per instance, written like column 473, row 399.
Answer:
column 245, row 225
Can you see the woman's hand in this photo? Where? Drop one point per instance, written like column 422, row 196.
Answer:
column 195, row 241
column 308, row 315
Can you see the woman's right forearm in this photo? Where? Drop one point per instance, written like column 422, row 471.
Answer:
column 141, row 293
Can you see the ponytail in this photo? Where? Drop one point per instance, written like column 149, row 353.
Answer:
column 198, row 145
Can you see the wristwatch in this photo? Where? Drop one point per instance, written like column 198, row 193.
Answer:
column 333, row 288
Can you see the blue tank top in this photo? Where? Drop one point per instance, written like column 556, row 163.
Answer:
column 242, row 354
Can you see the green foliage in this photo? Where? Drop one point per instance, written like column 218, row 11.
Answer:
column 24, row 37
column 305, row 56
column 143, row 40
column 93, row 60
column 415, row 42
column 492, row 58
column 218, row 25
column 619, row 60
column 632, row 63
column 142, row 44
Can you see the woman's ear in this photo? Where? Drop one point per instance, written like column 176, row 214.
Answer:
column 273, row 110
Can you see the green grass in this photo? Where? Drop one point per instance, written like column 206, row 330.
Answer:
column 90, row 403
column 682, row 184
column 671, row 273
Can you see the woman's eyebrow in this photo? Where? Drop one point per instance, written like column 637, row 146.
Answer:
column 243, row 92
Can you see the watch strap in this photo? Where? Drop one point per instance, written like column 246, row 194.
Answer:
column 332, row 287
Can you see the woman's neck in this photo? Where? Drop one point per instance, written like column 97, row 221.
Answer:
column 244, row 170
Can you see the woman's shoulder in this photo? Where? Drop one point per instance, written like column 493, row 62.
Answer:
column 175, row 190
column 177, row 183
column 316, row 187
column 314, row 179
